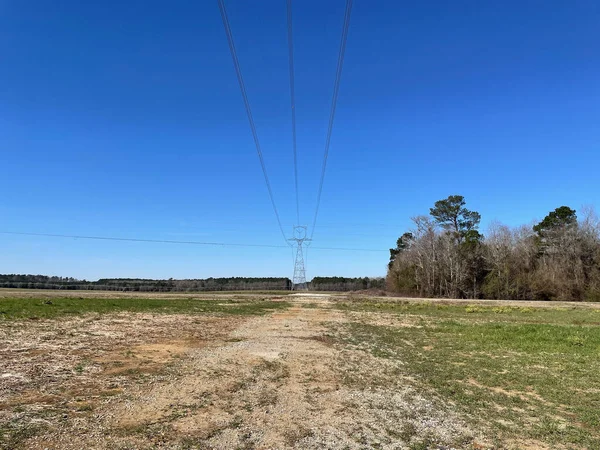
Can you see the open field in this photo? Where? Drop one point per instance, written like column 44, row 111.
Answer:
column 106, row 370
column 47, row 293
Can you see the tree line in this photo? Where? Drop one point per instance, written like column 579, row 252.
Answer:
column 189, row 285
column 145, row 285
column 346, row 284
column 445, row 255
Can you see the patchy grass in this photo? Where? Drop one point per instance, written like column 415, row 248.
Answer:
column 12, row 435
column 48, row 308
column 59, row 373
column 524, row 374
column 311, row 305
column 570, row 315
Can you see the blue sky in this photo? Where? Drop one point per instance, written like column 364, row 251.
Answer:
column 125, row 119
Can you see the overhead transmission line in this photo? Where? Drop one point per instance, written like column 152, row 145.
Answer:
column 165, row 241
column 249, row 111
column 336, row 87
column 155, row 241
column 293, row 102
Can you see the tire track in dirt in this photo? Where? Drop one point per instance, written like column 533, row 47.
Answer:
column 277, row 382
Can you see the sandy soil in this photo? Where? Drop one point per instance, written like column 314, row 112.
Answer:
column 176, row 381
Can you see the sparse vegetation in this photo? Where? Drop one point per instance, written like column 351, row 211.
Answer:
column 239, row 371
column 520, row 372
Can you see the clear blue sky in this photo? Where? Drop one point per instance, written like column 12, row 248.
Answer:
column 125, row 119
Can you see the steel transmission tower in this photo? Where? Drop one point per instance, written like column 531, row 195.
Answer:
column 299, row 280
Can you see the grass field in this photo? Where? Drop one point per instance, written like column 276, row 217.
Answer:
column 233, row 370
column 47, row 308
column 518, row 372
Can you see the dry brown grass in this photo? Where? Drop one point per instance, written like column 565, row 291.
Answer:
column 59, row 372
column 181, row 381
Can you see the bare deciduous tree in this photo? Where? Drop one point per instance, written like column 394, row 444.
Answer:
column 555, row 259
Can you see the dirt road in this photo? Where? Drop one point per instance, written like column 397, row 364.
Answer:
column 275, row 381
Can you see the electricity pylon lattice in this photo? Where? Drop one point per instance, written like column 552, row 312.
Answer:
column 299, row 279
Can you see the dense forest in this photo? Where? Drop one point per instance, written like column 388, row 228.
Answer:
column 171, row 285
column 445, row 255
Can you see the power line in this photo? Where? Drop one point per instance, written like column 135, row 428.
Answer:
column 165, row 241
column 249, row 111
column 293, row 103
column 336, row 87
column 155, row 241
column 350, row 249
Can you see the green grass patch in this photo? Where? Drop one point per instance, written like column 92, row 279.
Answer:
column 36, row 308
column 520, row 373
column 13, row 436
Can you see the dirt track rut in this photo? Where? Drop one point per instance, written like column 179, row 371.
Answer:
column 277, row 381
